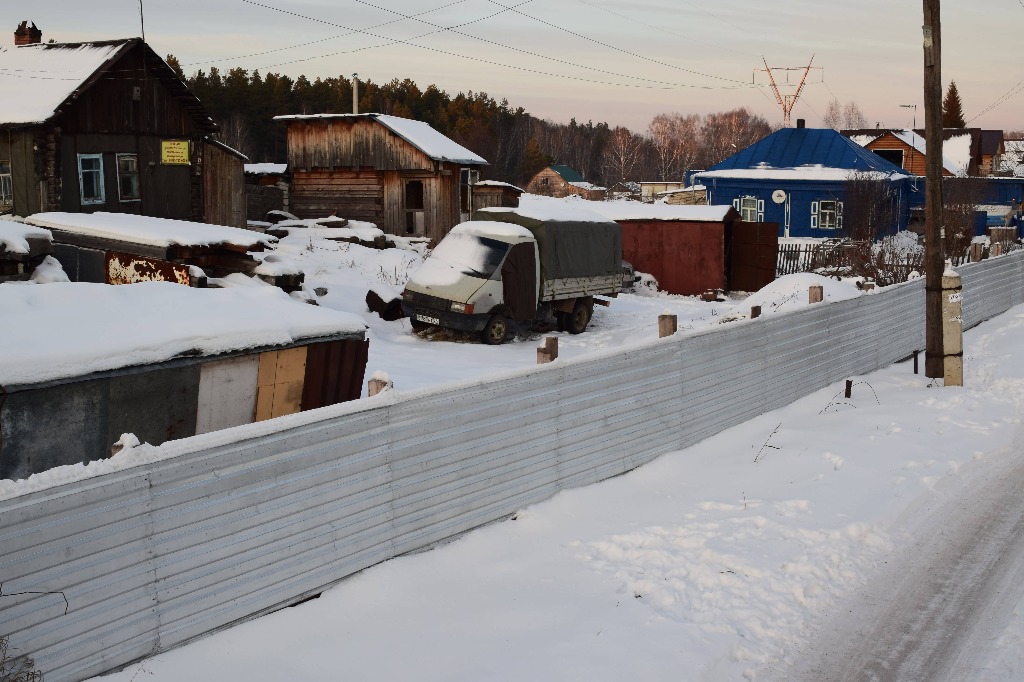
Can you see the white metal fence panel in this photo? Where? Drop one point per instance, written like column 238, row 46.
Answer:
column 151, row 557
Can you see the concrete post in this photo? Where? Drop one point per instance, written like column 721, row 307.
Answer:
column 549, row 351
column 815, row 294
column 667, row 325
column 995, row 250
column 977, row 251
column 952, row 329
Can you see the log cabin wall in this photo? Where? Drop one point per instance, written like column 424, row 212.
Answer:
column 913, row 160
column 224, row 194
column 360, row 170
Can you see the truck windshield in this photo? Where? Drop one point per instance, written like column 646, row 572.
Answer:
column 471, row 255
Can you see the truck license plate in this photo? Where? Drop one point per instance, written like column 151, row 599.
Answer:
column 428, row 319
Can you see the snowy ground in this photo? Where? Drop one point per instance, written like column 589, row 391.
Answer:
column 713, row 563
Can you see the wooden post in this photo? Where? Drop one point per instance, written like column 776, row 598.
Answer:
column 549, row 351
column 666, row 325
column 952, row 330
column 849, row 388
column 869, row 286
column 995, row 250
column 934, row 242
column 977, row 250
column 755, row 312
column 915, row 361
column 815, row 294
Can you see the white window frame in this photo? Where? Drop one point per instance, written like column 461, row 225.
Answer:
column 138, row 180
column 750, row 208
column 102, row 199
column 819, row 213
column 6, row 185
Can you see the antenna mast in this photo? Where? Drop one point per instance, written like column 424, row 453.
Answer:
column 142, row 22
column 787, row 102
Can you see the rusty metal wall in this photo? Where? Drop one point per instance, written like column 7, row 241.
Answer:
column 685, row 257
column 233, row 527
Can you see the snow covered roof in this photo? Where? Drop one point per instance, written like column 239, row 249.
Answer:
column 64, row 330
column 36, row 79
column 801, row 154
column 589, row 186
column 417, row 133
column 549, row 208
column 496, row 183
column 684, row 190
column 266, row 168
column 635, row 210
column 956, row 150
column 14, row 236
column 812, row 172
column 137, row 229
column 865, row 140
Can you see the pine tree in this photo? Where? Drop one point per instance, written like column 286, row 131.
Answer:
column 952, row 108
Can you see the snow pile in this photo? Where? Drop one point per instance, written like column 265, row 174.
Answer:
column 151, row 231
column 65, row 330
column 265, row 168
column 49, row 272
column 14, row 236
column 791, row 293
column 901, row 245
column 314, row 227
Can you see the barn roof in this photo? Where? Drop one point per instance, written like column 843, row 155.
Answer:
column 417, row 133
column 822, row 152
column 568, row 174
column 37, row 81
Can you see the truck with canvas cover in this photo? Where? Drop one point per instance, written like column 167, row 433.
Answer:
column 509, row 268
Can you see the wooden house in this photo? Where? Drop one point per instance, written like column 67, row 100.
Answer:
column 397, row 173
column 561, row 182
column 114, row 130
column 491, row 193
column 966, row 152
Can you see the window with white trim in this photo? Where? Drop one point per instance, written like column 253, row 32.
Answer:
column 827, row 215
column 128, row 177
column 6, row 185
column 90, row 179
column 751, row 209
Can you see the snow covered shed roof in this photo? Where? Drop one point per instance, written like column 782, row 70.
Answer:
column 136, row 229
column 803, row 153
column 37, row 81
column 65, row 330
column 417, row 133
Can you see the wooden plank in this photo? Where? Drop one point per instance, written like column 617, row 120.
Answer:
column 313, row 384
column 227, row 393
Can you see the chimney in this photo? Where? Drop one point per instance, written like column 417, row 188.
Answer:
column 27, row 36
column 801, row 123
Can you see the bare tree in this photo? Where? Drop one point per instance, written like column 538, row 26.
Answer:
column 961, row 197
column 833, row 115
column 235, row 134
column 852, row 116
column 622, row 156
column 871, row 208
column 724, row 134
column 675, row 143
column 839, row 117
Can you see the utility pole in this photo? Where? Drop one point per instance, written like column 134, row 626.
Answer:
column 787, row 102
column 934, row 234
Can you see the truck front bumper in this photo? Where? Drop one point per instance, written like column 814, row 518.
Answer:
column 444, row 318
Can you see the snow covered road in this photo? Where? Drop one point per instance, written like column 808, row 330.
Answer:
column 942, row 605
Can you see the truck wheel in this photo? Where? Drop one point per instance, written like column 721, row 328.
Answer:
column 576, row 322
column 496, row 331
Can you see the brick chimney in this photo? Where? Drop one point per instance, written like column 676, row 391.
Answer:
column 27, row 36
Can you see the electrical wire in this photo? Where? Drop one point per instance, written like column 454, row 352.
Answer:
column 1009, row 94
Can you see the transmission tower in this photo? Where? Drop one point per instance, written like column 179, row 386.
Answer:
column 787, row 102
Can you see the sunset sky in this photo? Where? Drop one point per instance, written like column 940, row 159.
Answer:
column 595, row 60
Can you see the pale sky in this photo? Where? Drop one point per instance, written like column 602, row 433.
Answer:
column 595, row 60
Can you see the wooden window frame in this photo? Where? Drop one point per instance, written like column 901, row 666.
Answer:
column 6, row 185
column 135, row 174
column 101, row 183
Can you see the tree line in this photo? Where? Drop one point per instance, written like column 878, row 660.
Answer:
column 516, row 144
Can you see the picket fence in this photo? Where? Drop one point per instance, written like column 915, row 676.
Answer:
column 98, row 573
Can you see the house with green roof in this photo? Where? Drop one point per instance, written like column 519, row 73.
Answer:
column 563, row 181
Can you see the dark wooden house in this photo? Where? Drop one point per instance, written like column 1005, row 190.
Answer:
column 397, row 173
column 561, row 182
column 108, row 126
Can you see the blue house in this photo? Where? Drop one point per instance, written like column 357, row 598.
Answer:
column 797, row 177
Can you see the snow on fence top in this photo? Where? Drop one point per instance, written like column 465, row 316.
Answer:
column 38, row 78
column 543, row 208
column 581, row 210
column 137, row 229
column 64, row 330
column 14, row 236
column 417, row 133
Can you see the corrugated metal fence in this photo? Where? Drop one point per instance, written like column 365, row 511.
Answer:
column 152, row 557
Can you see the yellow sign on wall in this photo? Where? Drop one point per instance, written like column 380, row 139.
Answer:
column 174, row 152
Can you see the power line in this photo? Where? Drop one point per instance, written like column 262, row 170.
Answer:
column 659, row 85
column 1012, row 92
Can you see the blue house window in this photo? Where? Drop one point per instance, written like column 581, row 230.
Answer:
column 751, row 209
column 827, row 215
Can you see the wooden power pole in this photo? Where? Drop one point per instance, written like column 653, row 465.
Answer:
column 934, row 234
